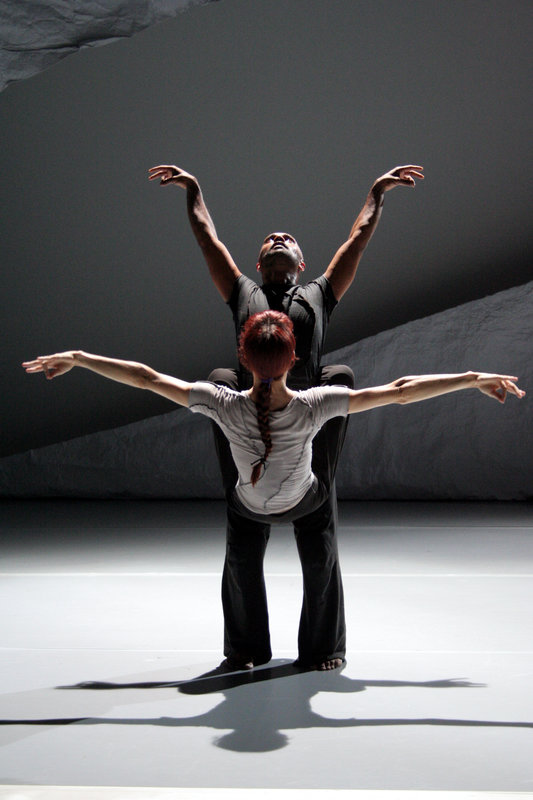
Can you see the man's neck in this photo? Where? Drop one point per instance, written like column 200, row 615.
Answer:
column 279, row 286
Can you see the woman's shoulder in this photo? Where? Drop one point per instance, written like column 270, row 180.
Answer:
column 323, row 398
column 320, row 392
column 214, row 395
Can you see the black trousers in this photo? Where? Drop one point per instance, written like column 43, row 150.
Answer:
column 322, row 630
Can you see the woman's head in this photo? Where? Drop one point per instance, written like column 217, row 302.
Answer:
column 267, row 344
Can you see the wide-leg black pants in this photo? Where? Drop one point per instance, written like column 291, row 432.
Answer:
column 322, row 631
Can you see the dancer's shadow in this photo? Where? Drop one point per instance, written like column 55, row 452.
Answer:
column 260, row 705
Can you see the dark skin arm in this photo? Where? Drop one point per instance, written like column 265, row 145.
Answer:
column 222, row 267
column 341, row 271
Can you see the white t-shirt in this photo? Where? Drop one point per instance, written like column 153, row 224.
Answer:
column 287, row 475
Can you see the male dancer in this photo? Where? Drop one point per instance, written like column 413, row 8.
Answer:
column 321, row 637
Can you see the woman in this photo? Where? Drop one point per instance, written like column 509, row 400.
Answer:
column 270, row 429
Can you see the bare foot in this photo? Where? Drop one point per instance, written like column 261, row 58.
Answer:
column 236, row 662
column 331, row 663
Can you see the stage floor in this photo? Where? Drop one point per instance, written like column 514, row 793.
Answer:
column 112, row 618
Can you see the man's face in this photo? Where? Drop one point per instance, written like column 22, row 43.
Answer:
column 280, row 259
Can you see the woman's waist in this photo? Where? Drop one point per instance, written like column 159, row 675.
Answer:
column 273, row 499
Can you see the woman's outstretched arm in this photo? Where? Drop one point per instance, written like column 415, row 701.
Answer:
column 414, row 388
column 130, row 372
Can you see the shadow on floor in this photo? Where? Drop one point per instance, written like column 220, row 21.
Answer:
column 260, row 705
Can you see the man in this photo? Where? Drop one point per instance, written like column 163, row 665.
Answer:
column 321, row 637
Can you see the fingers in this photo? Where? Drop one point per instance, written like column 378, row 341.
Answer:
column 32, row 366
column 499, row 393
column 409, row 173
column 37, row 365
column 488, row 376
column 513, row 388
column 164, row 173
column 41, row 364
column 410, row 168
column 169, row 174
column 170, row 167
column 403, row 176
column 498, row 386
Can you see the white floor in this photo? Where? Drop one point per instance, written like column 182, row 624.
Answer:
column 112, row 619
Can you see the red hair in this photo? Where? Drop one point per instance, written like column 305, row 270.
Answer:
column 267, row 344
column 266, row 348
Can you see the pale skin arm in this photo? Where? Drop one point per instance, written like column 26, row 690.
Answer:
column 414, row 388
column 130, row 372
column 221, row 265
column 341, row 271
column 410, row 389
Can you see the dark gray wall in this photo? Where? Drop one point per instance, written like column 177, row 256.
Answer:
column 286, row 110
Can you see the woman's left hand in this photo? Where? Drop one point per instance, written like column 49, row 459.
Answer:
column 497, row 386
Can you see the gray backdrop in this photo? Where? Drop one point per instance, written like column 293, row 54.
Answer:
column 287, row 110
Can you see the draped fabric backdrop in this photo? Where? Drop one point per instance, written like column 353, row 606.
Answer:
column 35, row 35
column 457, row 447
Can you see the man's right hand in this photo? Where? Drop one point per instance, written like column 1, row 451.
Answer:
column 169, row 173
column 222, row 267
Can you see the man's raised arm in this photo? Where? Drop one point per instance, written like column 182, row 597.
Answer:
column 222, row 267
column 343, row 266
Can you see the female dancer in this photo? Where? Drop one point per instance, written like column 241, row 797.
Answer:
column 270, row 429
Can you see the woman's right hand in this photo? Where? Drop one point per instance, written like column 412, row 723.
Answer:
column 52, row 366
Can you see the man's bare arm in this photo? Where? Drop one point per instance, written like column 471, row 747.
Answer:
column 343, row 266
column 222, row 267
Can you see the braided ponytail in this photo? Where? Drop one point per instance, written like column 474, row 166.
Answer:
column 263, row 422
column 266, row 347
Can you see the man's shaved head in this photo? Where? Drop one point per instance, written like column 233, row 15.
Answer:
column 280, row 259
